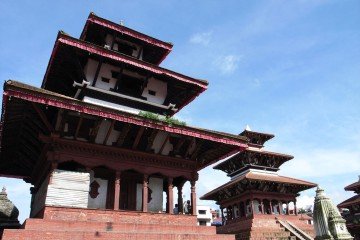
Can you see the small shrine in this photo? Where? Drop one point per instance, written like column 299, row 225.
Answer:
column 257, row 201
column 8, row 212
column 328, row 222
column 352, row 216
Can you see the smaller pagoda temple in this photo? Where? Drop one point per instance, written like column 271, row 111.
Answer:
column 352, row 217
column 257, row 196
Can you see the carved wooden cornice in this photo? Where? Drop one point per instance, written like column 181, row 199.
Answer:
column 108, row 153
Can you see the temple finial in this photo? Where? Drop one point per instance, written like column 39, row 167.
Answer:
column 247, row 128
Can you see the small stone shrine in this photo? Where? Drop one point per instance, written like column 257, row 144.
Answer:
column 328, row 222
column 8, row 212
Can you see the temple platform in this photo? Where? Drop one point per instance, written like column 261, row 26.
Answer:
column 76, row 223
column 265, row 227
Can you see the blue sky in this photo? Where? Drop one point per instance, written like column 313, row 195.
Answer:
column 291, row 68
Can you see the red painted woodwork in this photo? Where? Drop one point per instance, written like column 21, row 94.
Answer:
column 170, row 197
column 117, row 191
column 145, row 197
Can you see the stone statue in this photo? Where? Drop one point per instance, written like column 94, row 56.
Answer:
column 328, row 222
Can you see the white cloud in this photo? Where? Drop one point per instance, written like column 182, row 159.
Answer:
column 203, row 38
column 323, row 162
column 227, row 64
column 305, row 201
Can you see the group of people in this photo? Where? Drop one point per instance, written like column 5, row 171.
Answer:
column 186, row 208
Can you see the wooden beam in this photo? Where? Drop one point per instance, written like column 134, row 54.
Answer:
column 138, row 137
column 118, row 78
column 114, row 41
column 97, row 72
column 151, row 139
column 178, row 146
column 193, row 141
column 125, row 130
column 63, row 122
column 95, row 130
column 109, row 131
column 78, row 127
column 197, row 149
column 164, row 143
column 43, row 117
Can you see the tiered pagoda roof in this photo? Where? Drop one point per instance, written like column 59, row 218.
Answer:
column 253, row 158
column 96, row 27
column 255, row 170
column 354, row 187
column 355, row 200
column 257, row 180
column 69, row 60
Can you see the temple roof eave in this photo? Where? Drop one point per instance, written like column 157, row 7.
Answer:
column 27, row 92
column 216, row 145
column 283, row 157
column 350, row 201
column 250, row 176
column 125, row 30
column 65, row 39
column 353, row 187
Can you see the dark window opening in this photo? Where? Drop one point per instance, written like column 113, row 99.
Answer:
column 114, row 74
column 202, row 223
column 202, row 211
column 130, row 86
column 151, row 92
column 107, row 80
column 125, row 48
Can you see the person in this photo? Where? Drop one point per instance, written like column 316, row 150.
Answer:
column 176, row 209
column 187, row 207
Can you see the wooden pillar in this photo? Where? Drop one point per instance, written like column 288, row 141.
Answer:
column 170, row 196
column 280, row 208
column 287, row 208
column 245, row 209
column 262, row 206
column 193, row 197
column 53, row 166
column 145, row 194
column 222, row 215
column 180, row 199
column 117, row 191
column 271, row 207
column 295, row 208
column 252, row 207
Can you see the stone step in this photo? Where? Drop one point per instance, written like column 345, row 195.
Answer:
column 55, row 225
column 23, row 234
column 265, row 238
column 104, row 216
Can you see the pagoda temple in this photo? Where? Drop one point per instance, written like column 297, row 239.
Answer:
column 352, row 204
column 98, row 142
column 257, row 202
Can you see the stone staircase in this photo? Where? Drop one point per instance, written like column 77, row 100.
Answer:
column 294, row 230
column 265, row 228
column 76, row 224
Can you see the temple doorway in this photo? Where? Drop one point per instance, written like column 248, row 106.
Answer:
column 128, row 195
